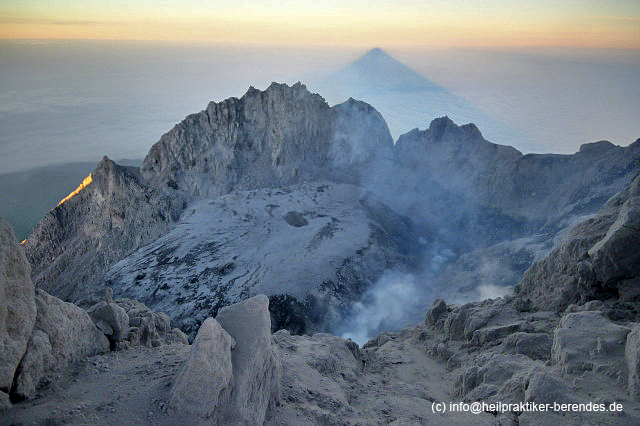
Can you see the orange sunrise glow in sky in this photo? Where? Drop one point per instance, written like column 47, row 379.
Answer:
column 609, row 24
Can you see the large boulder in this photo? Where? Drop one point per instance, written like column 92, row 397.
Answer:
column 544, row 388
column 63, row 333
column 481, row 321
column 632, row 358
column 616, row 256
column 203, row 385
column 437, row 309
column 587, row 341
column 489, row 373
column 111, row 319
column 533, row 345
column 148, row 328
column 256, row 368
column 17, row 306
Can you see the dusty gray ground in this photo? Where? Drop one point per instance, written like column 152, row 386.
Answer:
column 118, row 388
column 132, row 387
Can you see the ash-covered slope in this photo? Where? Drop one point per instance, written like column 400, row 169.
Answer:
column 313, row 248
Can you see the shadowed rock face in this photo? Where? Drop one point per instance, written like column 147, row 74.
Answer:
column 600, row 259
column 39, row 333
column 63, row 334
column 487, row 193
column 17, row 305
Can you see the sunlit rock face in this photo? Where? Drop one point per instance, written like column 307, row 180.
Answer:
column 80, row 187
column 107, row 219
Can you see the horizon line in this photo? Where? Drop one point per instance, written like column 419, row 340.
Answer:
column 367, row 47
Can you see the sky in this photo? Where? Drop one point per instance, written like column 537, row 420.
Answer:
column 584, row 23
column 82, row 79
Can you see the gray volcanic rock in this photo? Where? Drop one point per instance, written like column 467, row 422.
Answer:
column 148, row 328
column 588, row 341
column 111, row 216
column 114, row 316
column 63, row 334
column 320, row 244
column 502, row 193
column 495, row 370
column 632, row 358
column 203, row 386
column 544, row 387
column 598, row 260
column 270, row 138
column 533, row 345
column 437, row 309
column 17, row 305
column 256, row 366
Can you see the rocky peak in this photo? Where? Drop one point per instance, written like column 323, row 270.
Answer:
column 271, row 138
column 439, row 126
column 281, row 135
column 443, row 130
column 99, row 223
column 445, row 145
column 596, row 147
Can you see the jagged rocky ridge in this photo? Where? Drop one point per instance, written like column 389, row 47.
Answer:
column 457, row 196
column 509, row 350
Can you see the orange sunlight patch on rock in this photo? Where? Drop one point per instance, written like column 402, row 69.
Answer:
column 84, row 183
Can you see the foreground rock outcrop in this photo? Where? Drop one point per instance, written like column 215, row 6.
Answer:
column 42, row 335
column 17, row 307
column 256, row 365
column 233, row 373
column 203, row 386
column 63, row 334
column 599, row 259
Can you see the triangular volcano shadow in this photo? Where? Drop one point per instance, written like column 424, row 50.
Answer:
column 404, row 97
